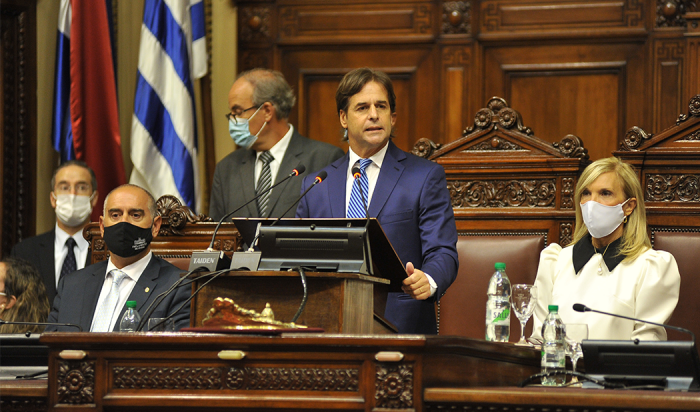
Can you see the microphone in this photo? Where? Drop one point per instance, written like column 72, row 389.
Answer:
column 215, row 260
column 580, row 307
column 69, row 325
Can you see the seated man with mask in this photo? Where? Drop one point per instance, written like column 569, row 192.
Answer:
column 95, row 297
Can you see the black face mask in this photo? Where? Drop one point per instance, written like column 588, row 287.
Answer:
column 127, row 240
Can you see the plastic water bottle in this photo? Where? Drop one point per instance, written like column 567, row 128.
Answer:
column 131, row 319
column 553, row 347
column 498, row 306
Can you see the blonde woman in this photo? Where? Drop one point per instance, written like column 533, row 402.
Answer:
column 610, row 265
column 22, row 296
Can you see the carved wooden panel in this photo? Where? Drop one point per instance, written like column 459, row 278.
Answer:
column 668, row 81
column 167, row 378
column 504, row 18
column 76, row 382
column 394, row 387
column 22, row 404
column 503, row 193
column 295, row 379
column 672, row 13
column 456, row 18
column 398, row 22
column 18, row 146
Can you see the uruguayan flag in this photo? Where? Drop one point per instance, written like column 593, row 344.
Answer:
column 163, row 129
column 62, row 133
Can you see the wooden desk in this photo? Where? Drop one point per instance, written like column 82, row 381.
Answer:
column 183, row 371
column 537, row 399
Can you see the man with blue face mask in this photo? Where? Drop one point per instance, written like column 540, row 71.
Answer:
column 63, row 249
column 268, row 149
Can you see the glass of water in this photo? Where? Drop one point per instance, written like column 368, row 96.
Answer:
column 523, row 298
column 575, row 334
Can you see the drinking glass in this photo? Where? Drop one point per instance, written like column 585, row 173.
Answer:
column 575, row 334
column 160, row 325
column 524, row 298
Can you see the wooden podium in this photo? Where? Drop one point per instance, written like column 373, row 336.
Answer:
column 337, row 302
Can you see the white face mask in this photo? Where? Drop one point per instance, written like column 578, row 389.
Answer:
column 602, row 220
column 73, row 210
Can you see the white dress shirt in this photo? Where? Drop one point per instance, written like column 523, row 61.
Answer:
column 277, row 151
column 60, row 251
column 646, row 288
column 133, row 273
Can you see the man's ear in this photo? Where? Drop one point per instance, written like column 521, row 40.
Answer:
column 269, row 111
column 95, row 196
column 343, row 119
column 52, row 199
column 156, row 226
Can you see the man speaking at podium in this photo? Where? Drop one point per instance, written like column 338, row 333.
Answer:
column 407, row 194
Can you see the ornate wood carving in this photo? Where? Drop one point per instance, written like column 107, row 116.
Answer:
column 572, row 146
column 76, row 382
column 634, row 138
column 566, row 233
column 495, row 143
column 251, row 59
column 693, row 110
column 691, row 137
column 425, row 147
column 254, row 24
column 498, row 113
column 670, row 13
column 19, row 404
column 672, row 188
column 394, row 386
column 296, row 379
column 568, row 186
column 18, row 120
column 502, row 193
column 167, row 378
column 456, row 17
column 176, row 216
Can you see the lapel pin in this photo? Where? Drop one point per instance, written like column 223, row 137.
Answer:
column 147, row 289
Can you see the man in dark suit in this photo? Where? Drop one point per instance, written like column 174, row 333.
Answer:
column 407, row 194
column 269, row 149
column 63, row 249
column 95, row 297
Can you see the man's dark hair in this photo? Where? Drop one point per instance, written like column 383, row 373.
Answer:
column 354, row 81
column 80, row 163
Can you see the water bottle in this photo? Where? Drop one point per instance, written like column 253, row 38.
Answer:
column 498, row 306
column 131, row 319
column 553, row 347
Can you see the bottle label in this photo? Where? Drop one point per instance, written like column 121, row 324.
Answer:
column 502, row 318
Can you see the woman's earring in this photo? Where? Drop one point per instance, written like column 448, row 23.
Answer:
column 624, row 220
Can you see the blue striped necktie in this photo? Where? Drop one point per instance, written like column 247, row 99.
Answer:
column 356, row 207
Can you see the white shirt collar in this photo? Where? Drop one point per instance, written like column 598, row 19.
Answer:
column 133, row 270
column 62, row 236
column 377, row 158
column 277, row 151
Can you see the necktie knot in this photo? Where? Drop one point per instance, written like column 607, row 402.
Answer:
column 266, row 157
column 364, row 163
column 117, row 277
column 70, row 244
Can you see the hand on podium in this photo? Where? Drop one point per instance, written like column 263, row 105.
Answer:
column 416, row 285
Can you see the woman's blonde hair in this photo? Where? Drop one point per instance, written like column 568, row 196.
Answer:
column 23, row 281
column 635, row 240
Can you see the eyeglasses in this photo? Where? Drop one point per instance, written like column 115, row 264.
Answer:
column 80, row 188
column 237, row 113
column 3, row 293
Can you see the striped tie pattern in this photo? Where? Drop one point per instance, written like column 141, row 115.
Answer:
column 264, row 183
column 356, row 207
column 103, row 316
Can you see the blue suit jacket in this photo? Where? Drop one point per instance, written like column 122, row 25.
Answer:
column 412, row 203
column 76, row 298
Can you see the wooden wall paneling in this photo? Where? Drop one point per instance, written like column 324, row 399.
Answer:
column 456, row 90
column 315, row 73
column 546, row 19
column 692, row 61
column 592, row 90
column 668, row 57
column 18, row 120
column 256, row 34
